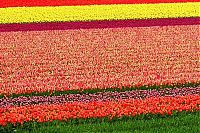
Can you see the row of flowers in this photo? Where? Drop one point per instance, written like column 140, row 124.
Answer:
column 101, row 109
column 97, row 58
column 100, row 96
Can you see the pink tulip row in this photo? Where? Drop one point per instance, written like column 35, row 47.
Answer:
column 97, row 58
column 100, row 96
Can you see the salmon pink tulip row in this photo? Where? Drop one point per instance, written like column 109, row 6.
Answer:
column 40, row 61
column 118, row 108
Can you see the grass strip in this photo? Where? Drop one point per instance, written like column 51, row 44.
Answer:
column 178, row 122
column 96, row 90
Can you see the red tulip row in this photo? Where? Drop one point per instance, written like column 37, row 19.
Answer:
column 118, row 108
column 97, row 58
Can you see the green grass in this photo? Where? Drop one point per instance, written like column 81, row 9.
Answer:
column 95, row 90
column 181, row 122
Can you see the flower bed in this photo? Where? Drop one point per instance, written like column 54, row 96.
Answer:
column 75, row 64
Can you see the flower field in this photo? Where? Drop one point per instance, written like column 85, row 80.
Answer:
column 99, row 66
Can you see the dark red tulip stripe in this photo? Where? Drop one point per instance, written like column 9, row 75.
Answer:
column 101, row 96
column 98, row 24
column 118, row 108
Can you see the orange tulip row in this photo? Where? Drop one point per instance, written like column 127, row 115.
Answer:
column 118, row 108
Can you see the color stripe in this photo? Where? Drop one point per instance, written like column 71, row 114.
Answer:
column 98, row 12
column 102, row 96
column 98, row 24
column 11, row 3
column 98, row 58
column 109, row 109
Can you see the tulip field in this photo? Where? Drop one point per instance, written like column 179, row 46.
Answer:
column 99, row 66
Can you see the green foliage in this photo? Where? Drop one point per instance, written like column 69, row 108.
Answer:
column 178, row 122
column 92, row 91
